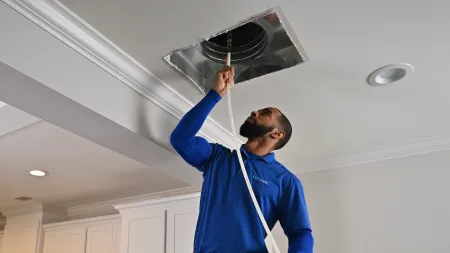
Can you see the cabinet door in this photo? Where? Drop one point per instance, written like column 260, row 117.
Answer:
column 143, row 231
column 101, row 239
column 181, row 223
column 66, row 240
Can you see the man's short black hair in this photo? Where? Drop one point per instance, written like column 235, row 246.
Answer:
column 286, row 127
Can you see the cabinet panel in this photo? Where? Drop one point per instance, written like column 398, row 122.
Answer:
column 100, row 239
column 146, row 235
column 53, row 244
column 92, row 235
column 67, row 241
column 143, row 232
column 181, row 224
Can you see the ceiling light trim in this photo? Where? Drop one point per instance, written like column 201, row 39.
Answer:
column 38, row 173
column 376, row 78
column 66, row 26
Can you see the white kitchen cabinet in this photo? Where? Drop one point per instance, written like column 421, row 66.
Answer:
column 103, row 238
column 181, row 223
column 159, row 226
column 143, row 231
column 94, row 235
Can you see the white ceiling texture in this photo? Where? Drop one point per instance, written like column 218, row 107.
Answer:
column 94, row 72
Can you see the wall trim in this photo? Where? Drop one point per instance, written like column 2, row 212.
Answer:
column 155, row 203
column 388, row 152
column 66, row 26
column 83, row 222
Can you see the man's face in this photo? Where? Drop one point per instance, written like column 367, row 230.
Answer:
column 260, row 123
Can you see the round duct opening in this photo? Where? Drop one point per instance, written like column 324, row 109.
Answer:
column 248, row 41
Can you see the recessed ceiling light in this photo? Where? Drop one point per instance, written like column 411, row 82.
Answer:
column 38, row 173
column 389, row 74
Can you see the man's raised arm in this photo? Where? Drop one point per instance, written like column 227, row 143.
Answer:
column 193, row 149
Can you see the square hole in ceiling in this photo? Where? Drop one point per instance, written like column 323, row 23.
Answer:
column 262, row 44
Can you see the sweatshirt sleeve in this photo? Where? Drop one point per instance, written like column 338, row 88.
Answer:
column 294, row 218
column 195, row 150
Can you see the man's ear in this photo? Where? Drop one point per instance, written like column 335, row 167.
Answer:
column 277, row 134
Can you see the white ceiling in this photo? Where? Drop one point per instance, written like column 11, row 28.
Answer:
column 80, row 171
column 333, row 110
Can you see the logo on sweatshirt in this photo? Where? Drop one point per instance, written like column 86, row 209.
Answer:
column 260, row 179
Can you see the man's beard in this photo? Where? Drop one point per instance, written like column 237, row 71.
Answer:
column 254, row 130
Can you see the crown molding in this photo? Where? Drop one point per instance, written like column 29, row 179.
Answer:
column 388, row 152
column 115, row 218
column 155, row 203
column 109, row 207
column 66, row 26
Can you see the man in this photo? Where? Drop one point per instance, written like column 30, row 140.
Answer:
column 228, row 221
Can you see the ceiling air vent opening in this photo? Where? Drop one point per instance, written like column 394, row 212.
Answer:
column 23, row 198
column 249, row 41
column 261, row 45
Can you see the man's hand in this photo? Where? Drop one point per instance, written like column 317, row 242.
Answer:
column 224, row 78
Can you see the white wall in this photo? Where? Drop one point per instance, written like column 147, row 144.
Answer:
column 21, row 234
column 394, row 206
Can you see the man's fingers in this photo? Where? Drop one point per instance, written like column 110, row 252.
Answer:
column 227, row 68
column 226, row 73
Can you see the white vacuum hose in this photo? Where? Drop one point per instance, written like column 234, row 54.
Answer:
column 244, row 171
